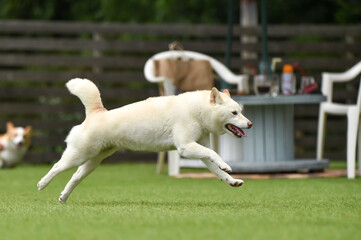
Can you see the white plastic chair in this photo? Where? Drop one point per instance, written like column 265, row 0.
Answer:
column 351, row 111
column 169, row 89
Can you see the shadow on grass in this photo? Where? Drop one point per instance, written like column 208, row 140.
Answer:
column 156, row 204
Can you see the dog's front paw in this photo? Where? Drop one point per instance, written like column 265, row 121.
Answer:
column 41, row 185
column 62, row 199
column 225, row 167
column 234, row 182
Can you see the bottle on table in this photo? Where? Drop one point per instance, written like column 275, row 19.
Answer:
column 288, row 80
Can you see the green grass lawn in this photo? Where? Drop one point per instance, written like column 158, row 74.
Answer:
column 125, row 201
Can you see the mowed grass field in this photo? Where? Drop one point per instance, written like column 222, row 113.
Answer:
column 129, row 201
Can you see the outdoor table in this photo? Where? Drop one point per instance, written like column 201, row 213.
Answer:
column 269, row 146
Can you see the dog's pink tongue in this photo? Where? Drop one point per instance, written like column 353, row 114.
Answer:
column 240, row 132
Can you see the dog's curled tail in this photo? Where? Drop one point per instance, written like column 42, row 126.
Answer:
column 87, row 92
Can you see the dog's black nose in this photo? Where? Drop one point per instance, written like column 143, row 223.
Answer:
column 250, row 124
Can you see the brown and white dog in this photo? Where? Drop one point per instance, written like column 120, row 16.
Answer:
column 13, row 145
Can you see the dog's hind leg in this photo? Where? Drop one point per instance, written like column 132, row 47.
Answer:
column 70, row 158
column 83, row 171
column 225, row 177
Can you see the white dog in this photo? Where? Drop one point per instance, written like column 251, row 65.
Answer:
column 180, row 122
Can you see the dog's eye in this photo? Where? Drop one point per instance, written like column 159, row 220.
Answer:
column 234, row 112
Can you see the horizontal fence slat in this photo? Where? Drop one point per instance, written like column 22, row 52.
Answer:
column 36, row 92
column 304, row 30
column 285, row 47
column 31, row 26
column 78, row 44
column 51, row 124
column 310, row 126
column 50, row 140
column 36, row 108
column 306, row 110
column 71, row 61
column 65, row 44
column 22, row 60
column 310, row 141
column 311, row 63
column 337, row 155
column 64, row 76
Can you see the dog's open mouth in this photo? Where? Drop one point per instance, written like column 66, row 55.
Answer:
column 235, row 130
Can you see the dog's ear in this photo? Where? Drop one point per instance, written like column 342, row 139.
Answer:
column 225, row 91
column 27, row 130
column 9, row 126
column 215, row 96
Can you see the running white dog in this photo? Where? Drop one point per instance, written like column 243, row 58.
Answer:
column 180, row 122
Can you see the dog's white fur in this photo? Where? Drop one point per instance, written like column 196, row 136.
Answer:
column 180, row 122
column 14, row 145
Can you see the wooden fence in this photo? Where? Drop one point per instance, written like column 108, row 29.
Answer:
column 37, row 58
